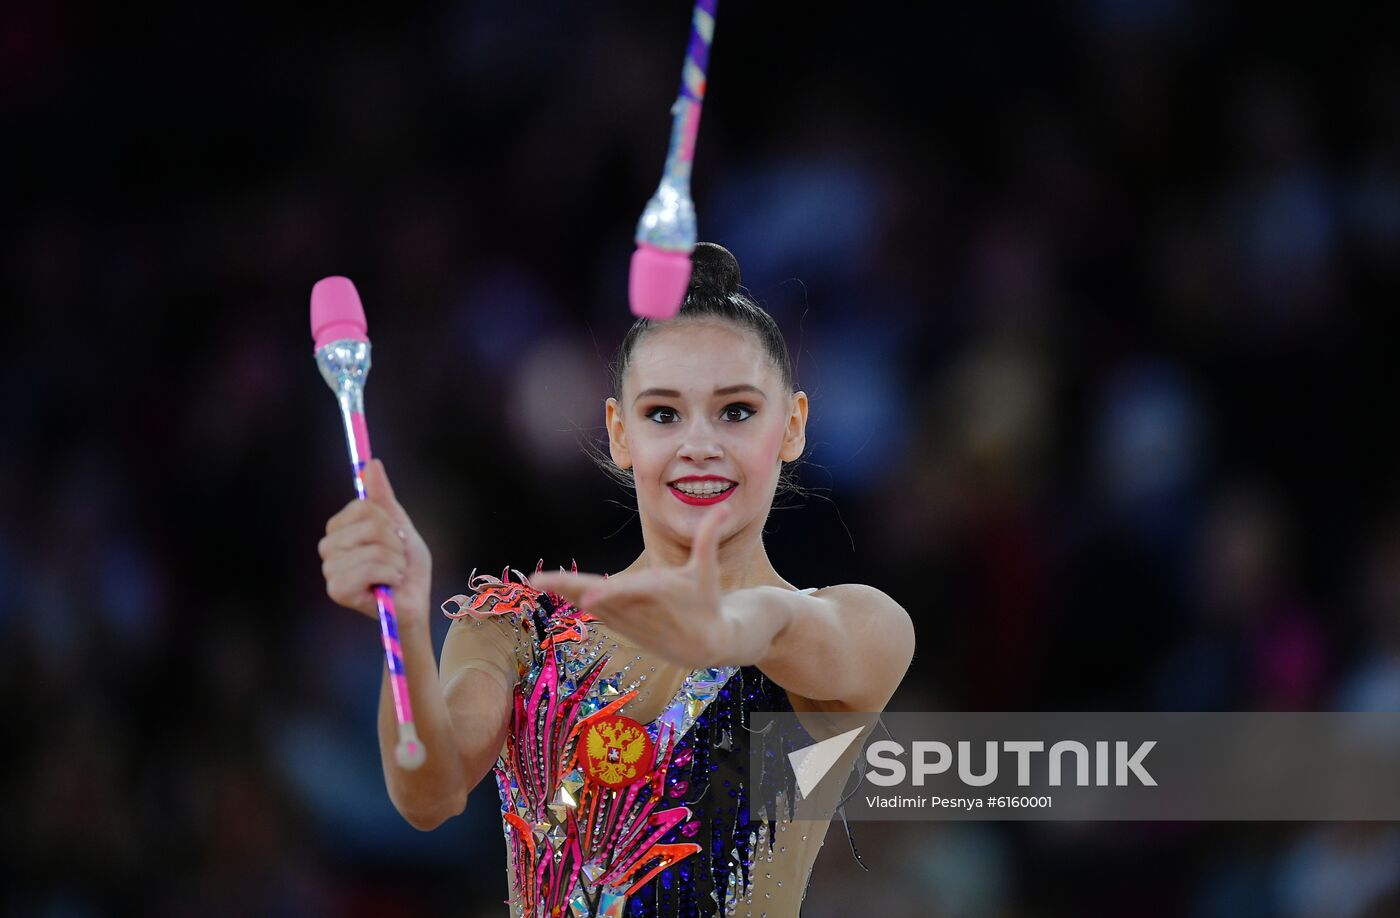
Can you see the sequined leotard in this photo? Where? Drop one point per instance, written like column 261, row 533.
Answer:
column 622, row 786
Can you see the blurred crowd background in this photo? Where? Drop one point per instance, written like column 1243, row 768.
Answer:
column 1092, row 300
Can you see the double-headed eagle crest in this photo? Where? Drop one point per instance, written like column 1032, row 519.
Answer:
column 617, row 751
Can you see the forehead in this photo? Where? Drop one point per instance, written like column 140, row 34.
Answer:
column 698, row 356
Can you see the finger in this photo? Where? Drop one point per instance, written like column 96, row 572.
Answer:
column 364, row 532
column 704, row 551
column 353, row 512
column 570, row 586
column 638, row 591
column 643, row 585
column 595, row 598
column 351, row 585
column 364, row 557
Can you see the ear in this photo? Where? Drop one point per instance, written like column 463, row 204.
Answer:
column 617, row 436
column 795, row 436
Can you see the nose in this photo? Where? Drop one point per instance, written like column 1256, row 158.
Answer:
column 700, row 443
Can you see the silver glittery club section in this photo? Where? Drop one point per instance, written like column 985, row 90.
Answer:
column 344, row 364
column 668, row 221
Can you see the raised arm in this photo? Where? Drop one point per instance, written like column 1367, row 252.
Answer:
column 468, row 698
column 462, row 709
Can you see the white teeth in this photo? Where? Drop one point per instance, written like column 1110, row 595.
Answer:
column 709, row 489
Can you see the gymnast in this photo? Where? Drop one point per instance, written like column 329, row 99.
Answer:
column 611, row 710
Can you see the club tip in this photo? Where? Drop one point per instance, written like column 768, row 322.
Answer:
column 336, row 312
column 658, row 281
column 409, row 753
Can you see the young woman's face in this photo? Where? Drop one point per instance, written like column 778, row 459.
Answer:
column 704, row 418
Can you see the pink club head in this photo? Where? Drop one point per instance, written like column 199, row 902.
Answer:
column 658, row 281
column 336, row 312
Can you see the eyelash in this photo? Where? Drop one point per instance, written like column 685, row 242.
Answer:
column 727, row 408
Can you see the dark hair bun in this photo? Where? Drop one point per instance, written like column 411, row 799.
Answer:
column 715, row 269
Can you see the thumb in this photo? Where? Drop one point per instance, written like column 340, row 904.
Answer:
column 704, row 551
column 378, row 489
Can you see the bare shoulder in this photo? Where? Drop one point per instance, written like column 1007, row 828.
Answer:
column 875, row 628
column 861, row 596
column 872, row 607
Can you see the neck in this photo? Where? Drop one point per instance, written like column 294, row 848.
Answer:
column 743, row 561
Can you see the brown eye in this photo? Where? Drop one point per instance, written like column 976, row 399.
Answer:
column 738, row 407
column 661, row 408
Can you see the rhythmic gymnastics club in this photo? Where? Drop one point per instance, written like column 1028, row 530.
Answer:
column 660, row 272
column 341, row 338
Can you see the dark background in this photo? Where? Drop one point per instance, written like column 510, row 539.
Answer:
column 1092, row 300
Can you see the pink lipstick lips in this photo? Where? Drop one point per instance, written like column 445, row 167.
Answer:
column 702, row 490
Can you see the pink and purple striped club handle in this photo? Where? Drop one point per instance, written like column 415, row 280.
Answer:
column 339, row 331
column 666, row 233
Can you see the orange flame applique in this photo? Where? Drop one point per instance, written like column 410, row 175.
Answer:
column 496, row 597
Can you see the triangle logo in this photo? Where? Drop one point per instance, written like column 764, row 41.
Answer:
column 811, row 763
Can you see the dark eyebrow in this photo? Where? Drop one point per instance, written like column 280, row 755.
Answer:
column 722, row 390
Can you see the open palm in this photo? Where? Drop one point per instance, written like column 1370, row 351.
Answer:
column 673, row 612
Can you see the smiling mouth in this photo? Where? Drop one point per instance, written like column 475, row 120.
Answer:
column 703, row 489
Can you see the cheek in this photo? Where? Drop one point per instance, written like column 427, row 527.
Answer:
column 648, row 462
column 760, row 455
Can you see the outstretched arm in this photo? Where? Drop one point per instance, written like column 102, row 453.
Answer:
column 849, row 645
